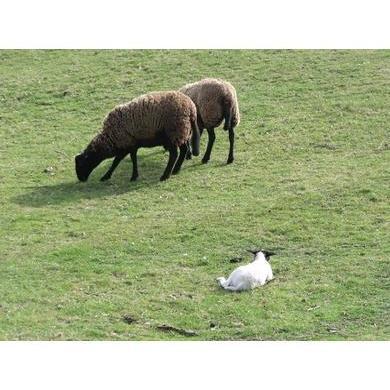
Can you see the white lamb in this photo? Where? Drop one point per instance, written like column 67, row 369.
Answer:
column 246, row 277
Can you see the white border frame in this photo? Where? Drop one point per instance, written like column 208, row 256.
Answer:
column 194, row 365
column 194, row 24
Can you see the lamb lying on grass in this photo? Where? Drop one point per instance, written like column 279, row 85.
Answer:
column 249, row 276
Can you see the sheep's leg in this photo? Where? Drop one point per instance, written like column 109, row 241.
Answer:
column 270, row 276
column 133, row 155
column 222, row 281
column 231, row 140
column 171, row 162
column 238, row 288
column 189, row 153
column 228, row 116
column 210, row 144
column 179, row 162
column 114, row 164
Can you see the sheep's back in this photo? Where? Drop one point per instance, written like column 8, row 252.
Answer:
column 211, row 96
column 148, row 116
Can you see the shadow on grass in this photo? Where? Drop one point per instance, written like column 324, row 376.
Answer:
column 71, row 192
column 150, row 169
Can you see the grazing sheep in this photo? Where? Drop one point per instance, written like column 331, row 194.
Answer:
column 215, row 100
column 249, row 276
column 158, row 118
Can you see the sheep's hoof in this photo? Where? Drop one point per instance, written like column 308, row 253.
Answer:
column 164, row 177
column 105, row 178
column 230, row 160
column 205, row 160
column 188, row 156
column 175, row 172
column 133, row 178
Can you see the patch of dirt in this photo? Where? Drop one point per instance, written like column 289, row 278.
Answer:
column 169, row 328
column 128, row 319
column 326, row 145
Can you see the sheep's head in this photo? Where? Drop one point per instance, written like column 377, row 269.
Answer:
column 267, row 254
column 85, row 163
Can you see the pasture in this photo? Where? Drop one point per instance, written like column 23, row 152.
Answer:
column 117, row 260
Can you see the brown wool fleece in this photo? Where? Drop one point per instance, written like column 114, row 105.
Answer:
column 145, row 118
column 213, row 97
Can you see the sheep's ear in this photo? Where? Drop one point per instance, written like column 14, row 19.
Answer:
column 268, row 254
column 253, row 251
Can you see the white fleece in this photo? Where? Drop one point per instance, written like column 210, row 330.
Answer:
column 249, row 276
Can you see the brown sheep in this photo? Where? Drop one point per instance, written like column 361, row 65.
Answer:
column 158, row 118
column 215, row 100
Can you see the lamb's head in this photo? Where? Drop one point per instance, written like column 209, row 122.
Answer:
column 263, row 252
column 86, row 162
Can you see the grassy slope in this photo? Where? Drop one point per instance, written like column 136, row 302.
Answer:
column 309, row 180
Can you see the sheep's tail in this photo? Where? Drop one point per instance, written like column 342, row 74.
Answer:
column 195, row 140
column 231, row 111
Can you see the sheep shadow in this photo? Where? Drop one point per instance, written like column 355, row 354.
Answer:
column 73, row 191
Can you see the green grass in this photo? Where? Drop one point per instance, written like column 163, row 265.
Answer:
column 310, row 180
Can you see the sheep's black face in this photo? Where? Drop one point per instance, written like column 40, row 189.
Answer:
column 85, row 163
column 268, row 254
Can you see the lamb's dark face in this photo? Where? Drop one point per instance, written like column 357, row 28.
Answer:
column 267, row 254
column 85, row 163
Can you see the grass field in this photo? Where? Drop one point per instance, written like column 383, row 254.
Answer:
column 310, row 180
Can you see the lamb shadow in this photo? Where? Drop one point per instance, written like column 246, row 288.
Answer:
column 73, row 191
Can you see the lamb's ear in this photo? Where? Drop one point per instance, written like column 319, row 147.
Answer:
column 268, row 254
